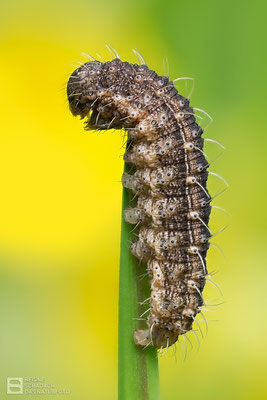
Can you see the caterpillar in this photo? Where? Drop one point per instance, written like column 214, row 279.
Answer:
column 169, row 176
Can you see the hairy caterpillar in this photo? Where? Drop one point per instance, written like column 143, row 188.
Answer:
column 169, row 179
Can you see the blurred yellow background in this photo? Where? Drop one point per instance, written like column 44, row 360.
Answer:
column 61, row 195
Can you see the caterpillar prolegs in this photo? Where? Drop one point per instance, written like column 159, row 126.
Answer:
column 169, row 174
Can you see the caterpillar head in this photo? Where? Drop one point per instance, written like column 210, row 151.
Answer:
column 93, row 92
column 82, row 88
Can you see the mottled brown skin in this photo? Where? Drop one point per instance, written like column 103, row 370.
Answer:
column 173, row 206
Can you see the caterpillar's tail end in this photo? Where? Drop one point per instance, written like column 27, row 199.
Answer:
column 160, row 339
column 142, row 337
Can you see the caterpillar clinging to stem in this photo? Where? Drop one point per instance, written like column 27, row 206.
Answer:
column 169, row 175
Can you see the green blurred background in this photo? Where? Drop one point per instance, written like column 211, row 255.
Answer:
column 61, row 196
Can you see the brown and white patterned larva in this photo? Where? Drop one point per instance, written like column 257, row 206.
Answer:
column 169, row 179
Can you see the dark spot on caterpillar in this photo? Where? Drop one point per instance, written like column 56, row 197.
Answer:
column 173, row 205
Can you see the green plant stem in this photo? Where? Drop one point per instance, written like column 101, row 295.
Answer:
column 138, row 367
